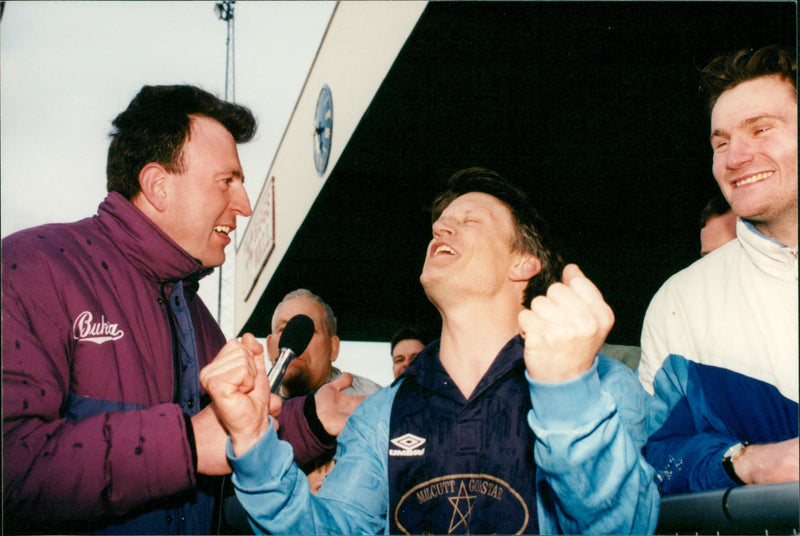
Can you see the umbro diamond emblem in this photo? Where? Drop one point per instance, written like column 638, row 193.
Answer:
column 408, row 445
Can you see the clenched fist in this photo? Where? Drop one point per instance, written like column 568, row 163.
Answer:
column 238, row 385
column 564, row 330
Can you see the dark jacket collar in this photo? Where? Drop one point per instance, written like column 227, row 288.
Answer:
column 427, row 369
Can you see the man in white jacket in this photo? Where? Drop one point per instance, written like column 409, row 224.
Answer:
column 720, row 338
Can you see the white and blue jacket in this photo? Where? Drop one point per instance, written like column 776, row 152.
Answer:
column 720, row 354
column 589, row 473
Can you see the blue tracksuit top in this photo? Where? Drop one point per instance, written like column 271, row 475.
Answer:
column 589, row 474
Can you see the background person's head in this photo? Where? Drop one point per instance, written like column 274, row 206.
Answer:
column 530, row 232
column 717, row 224
column 753, row 103
column 311, row 369
column 406, row 343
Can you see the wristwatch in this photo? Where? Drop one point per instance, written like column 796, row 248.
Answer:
column 731, row 454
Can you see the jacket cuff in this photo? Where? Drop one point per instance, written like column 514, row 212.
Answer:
column 565, row 405
column 310, row 412
column 264, row 462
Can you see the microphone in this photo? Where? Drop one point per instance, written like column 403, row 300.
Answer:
column 293, row 342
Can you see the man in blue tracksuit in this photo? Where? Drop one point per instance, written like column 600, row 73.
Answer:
column 509, row 423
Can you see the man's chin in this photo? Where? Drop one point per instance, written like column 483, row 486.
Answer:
column 215, row 262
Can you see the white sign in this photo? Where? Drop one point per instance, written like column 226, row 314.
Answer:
column 259, row 241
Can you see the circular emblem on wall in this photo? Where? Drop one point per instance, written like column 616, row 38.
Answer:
column 323, row 129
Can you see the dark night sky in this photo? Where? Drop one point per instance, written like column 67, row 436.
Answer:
column 592, row 107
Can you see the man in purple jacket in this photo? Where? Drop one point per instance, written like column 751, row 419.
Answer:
column 105, row 424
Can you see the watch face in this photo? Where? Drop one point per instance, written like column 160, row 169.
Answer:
column 323, row 128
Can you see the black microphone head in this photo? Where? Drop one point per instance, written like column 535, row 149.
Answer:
column 297, row 334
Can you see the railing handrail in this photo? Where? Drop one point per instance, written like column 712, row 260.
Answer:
column 768, row 508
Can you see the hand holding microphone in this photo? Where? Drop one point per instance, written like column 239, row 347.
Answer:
column 239, row 385
column 294, row 340
column 237, row 381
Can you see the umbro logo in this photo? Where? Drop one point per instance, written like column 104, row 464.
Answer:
column 408, row 445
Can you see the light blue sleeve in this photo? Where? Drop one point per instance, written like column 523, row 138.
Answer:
column 354, row 497
column 591, row 476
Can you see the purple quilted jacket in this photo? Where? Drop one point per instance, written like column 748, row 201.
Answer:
column 95, row 394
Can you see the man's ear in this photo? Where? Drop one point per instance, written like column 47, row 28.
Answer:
column 152, row 182
column 334, row 347
column 525, row 267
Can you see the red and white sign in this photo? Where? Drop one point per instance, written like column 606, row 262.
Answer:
column 259, row 241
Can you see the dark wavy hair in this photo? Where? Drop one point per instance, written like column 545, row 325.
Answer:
column 730, row 70
column 405, row 333
column 716, row 206
column 155, row 127
column 532, row 234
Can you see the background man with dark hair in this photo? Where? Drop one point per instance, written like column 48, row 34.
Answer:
column 405, row 345
column 717, row 224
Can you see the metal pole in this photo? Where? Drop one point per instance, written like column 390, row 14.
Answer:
column 224, row 11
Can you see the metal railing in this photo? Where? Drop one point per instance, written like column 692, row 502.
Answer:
column 765, row 509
